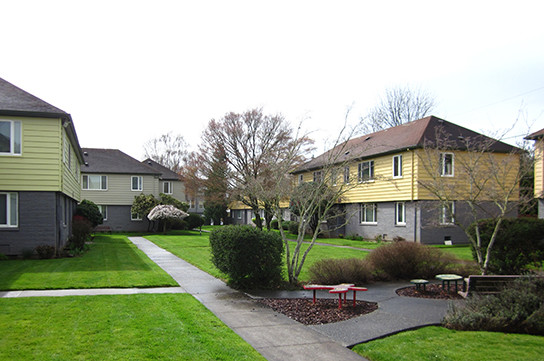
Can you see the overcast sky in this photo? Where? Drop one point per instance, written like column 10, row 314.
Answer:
column 128, row 71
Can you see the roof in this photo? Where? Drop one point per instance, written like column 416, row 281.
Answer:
column 99, row 160
column 536, row 135
column 411, row 135
column 16, row 102
column 166, row 173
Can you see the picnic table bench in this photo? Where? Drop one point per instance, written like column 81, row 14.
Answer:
column 487, row 284
column 340, row 289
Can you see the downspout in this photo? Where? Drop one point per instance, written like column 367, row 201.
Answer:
column 412, row 198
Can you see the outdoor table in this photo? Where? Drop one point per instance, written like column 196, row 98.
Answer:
column 419, row 282
column 339, row 289
column 447, row 278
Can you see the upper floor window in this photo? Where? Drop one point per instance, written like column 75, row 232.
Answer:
column 318, row 176
column 300, row 179
column 368, row 213
column 447, row 213
column 334, row 176
column 10, row 137
column 136, row 183
column 400, row 214
column 167, row 188
column 446, row 164
column 9, row 209
column 397, row 166
column 366, row 171
column 95, row 182
column 346, row 174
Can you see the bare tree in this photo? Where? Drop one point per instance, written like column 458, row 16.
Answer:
column 400, row 105
column 253, row 144
column 480, row 175
column 168, row 149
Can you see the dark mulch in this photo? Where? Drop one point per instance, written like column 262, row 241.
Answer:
column 431, row 291
column 324, row 311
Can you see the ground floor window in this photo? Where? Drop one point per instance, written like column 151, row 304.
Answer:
column 368, row 213
column 447, row 213
column 135, row 217
column 103, row 211
column 400, row 213
column 9, row 209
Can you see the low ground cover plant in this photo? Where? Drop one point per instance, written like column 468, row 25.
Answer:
column 249, row 256
column 518, row 308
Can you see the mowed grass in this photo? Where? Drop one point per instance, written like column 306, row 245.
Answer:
column 195, row 249
column 437, row 343
column 112, row 261
column 462, row 252
column 123, row 327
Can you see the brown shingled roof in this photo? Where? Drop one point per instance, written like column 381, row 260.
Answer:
column 99, row 160
column 166, row 173
column 536, row 135
column 16, row 101
column 415, row 134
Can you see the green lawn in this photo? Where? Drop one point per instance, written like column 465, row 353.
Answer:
column 124, row 327
column 462, row 252
column 436, row 343
column 112, row 261
column 195, row 249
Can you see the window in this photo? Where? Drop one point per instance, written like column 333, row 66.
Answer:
column 9, row 212
column 318, row 176
column 446, row 164
column 104, row 211
column 10, row 137
column 397, row 166
column 136, row 183
column 366, row 171
column 346, row 174
column 167, row 188
column 95, row 182
column 239, row 214
column 368, row 213
column 300, row 179
column 200, row 205
column 334, row 176
column 400, row 213
column 135, row 216
column 447, row 213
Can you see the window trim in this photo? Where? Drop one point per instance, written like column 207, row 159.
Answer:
column 397, row 170
column 12, row 142
column 347, row 174
column 239, row 212
column 403, row 213
column 300, row 179
column 445, row 220
column 103, row 179
column 442, row 164
column 169, row 187
column 140, row 183
column 9, row 221
column 362, row 211
column 104, row 211
column 318, row 176
column 137, row 218
column 360, row 169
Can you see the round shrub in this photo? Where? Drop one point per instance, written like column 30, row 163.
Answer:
column 285, row 225
column 90, row 211
column 194, row 220
column 249, row 256
column 274, row 224
column 519, row 243
column 333, row 271
column 406, row 260
column 293, row 227
column 45, row 251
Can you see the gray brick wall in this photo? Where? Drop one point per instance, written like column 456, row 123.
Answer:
column 119, row 220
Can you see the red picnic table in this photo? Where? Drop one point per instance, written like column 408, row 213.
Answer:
column 340, row 289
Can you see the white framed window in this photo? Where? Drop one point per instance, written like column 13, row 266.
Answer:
column 10, row 137
column 135, row 216
column 366, row 171
column 368, row 213
column 191, row 203
column 318, row 176
column 446, row 164
column 447, row 213
column 239, row 214
column 397, row 166
column 346, row 174
column 167, row 187
column 95, row 182
column 136, row 183
column 300, row 179
column 334, row 176
column 200, row 205
column 104, row 211
column 400, row 213
column 9, row 209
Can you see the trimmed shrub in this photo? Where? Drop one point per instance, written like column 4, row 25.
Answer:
column 519, row 308
column 285, row 225
column 519, row 243
column 90, row 211
column 3, row 257
column 27, row 253
column 335, row 271
column 81, row 232
column 274, row 224
column 194, row 220
column 45, row 251
column 178, row 224
column 406, row 260
column 249, row 256
column 293, row 227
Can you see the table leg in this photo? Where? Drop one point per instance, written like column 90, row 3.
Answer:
column 314, row 297
column 339, row 301
column 345, row 298
column 354, row 297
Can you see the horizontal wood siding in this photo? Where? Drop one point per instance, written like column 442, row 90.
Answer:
column 119, row 190
column 539, row 168
column 38, row 168
column 71, row 176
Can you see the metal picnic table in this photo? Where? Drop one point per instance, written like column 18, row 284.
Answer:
column 340, row 289
column 447, row 278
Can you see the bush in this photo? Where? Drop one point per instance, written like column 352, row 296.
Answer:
column 406, row 260
column 45, row 251
column 90, row 211
column 3, row 257
column 293, row 227
column 27, row 253
column 274, row 224
column 249, row 256
column 194, row 220
column 285, row 225
column 178, row 224
column 519, row 243
column 81, row 232
column 519, row 308
column 336, row 271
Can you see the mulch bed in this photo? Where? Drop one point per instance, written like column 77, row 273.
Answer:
column 431, row 291
column 324, row 311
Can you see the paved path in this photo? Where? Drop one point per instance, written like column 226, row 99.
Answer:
column 90, row 292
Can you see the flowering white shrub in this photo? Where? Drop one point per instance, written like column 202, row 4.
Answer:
column 166, row 212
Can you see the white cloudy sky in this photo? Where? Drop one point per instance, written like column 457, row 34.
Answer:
column 128, row 71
